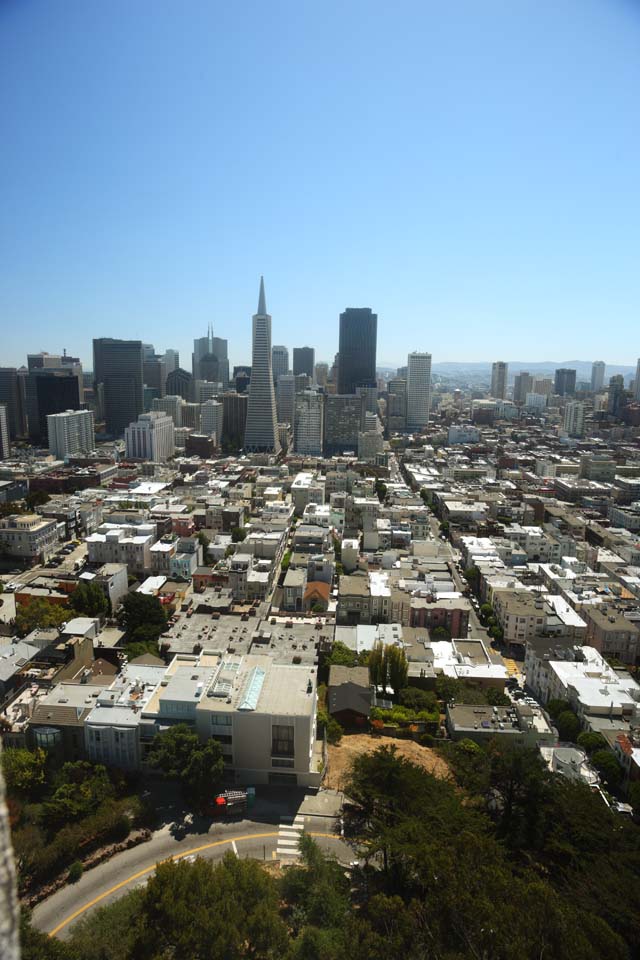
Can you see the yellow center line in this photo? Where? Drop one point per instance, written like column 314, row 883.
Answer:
column 175, row 856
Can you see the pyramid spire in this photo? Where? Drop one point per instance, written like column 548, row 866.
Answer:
column 262, row 303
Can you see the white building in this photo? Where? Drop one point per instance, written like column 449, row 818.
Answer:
column 574, row 418
column 29, row 535
column 261, row 430
column 211, row 420
column 279, row 361
column 536, row 402
column 418, row 390
column 597, row 376
column 286, row 398
column 171, row 405
column 151, row 437
column 71, row 432
column 370, row 445
column 309, row 423
column 123, row 543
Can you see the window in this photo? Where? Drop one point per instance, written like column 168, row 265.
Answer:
column 282, row 740
column 281, row 762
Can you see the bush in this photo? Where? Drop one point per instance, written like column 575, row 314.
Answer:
column 75, row 872
column 334, row 731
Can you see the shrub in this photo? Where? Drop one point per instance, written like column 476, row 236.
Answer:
column 334, row 731
column 75, row 872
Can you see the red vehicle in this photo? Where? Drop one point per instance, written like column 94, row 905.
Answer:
column 229, row 803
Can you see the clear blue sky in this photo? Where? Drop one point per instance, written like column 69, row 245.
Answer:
column 470, row 169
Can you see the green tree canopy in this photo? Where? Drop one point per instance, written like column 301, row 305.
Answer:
column 88, row 600
column 180, row 755
column 143, row 617
column 238, row 534
column 568, row 725
column 608, row 767
column 40, row 614
column 24, row 771
column 590, row 741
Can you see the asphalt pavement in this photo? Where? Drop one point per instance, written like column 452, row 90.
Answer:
column 246, row 838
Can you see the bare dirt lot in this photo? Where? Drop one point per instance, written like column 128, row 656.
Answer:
column 340, row 757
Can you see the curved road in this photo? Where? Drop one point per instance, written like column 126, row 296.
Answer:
column 113, row 878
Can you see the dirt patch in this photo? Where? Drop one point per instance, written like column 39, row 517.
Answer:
column 341, row 756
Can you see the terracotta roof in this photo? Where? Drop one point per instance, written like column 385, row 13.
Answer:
column 318, row 588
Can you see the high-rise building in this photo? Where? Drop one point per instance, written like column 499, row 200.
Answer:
column 597, row 376
column 309, row 423
column 211, row 419
column 154, row 374
column 180, row 383
column 321, row 374
column 12, row 393
column 117, row 374
column 499, row 374
column 418, row 390
column 304, row 359
column 285, row 398
column 543, row 385
column 210, row 358
column 637, row 389
column 574, row 418
column 171, row 405
column 279, row 361
column 5, row 444
column 565, row 382
column 396, row 405
column 151, row 437
column 616, row 395
column 234, row 418
column 357, row 349
column 343, row 421
column 261, row 434
column 171, row 360
column 71, row 432
column 48, row 391
column 522, row 385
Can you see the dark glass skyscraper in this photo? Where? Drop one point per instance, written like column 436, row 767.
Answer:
column 117, row 372
column 304, row 361
column 565, row 382
column 49, row 391
column 357, row 349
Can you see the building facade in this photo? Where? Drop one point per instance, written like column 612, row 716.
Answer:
column 309, row 423
column 71, row 432
column 151, row 437
column 279, row 361
column 261, row 431
column 418, row 390
column 118, row 382
column 499, row 374
column 357, row 349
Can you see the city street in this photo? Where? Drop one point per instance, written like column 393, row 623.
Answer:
column 113, row 878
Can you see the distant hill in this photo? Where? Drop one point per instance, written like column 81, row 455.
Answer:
column 582, row 368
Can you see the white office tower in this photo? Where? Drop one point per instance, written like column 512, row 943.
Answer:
column 71, row 432
column 261, row 431
column 151, row 437
column 5, row 446
column 211, row 420
column 286, row 398
column 171, row 405
column 574, row 418
column 637, row 390
column 279, row 362
column 597, row 376
column 309, row 423
column 171, row 360
column 499, row 373
column 418, row 390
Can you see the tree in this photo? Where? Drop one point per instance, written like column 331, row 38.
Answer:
column 238, row 534
column 334, row 731
column 380, row 489
column 39, row 614
column 608, row 767
column 415, row 699
column 203, row 911
column 342, row 655
column 556, row 707
column 286, row 561
column 486, row 611
column 180, row 755
column 88, row 600
column 497, row 698
column 440, row 633
column 81, row 787
column 590, row 741
column 376, row 664
column 37, row 498
column 397, row 668
column 24, row 771
column 568, row 726
column 143, row 617
column 204, row 541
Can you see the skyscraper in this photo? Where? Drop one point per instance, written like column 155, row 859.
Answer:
column 357, row 349
column 49, row 391
column 309, row 423
column 396, row 405
column 210, row 358
column 171, row 360
column 151, row 437
column 117, row 373
column 261, row 433
column 321, row 374
column 304, row 359
column 285, row 398
column 71, row 432
column 499, row 374
column 12, row 394
column 565, row 382
column 5, row 445
column 343, row 421
column 522, row 385
column 597, row 376
column 418, row 390
column 279, row 361
column 574, row 418
column 637, row 390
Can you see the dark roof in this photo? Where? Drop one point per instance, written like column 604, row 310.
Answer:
column 350, row 696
